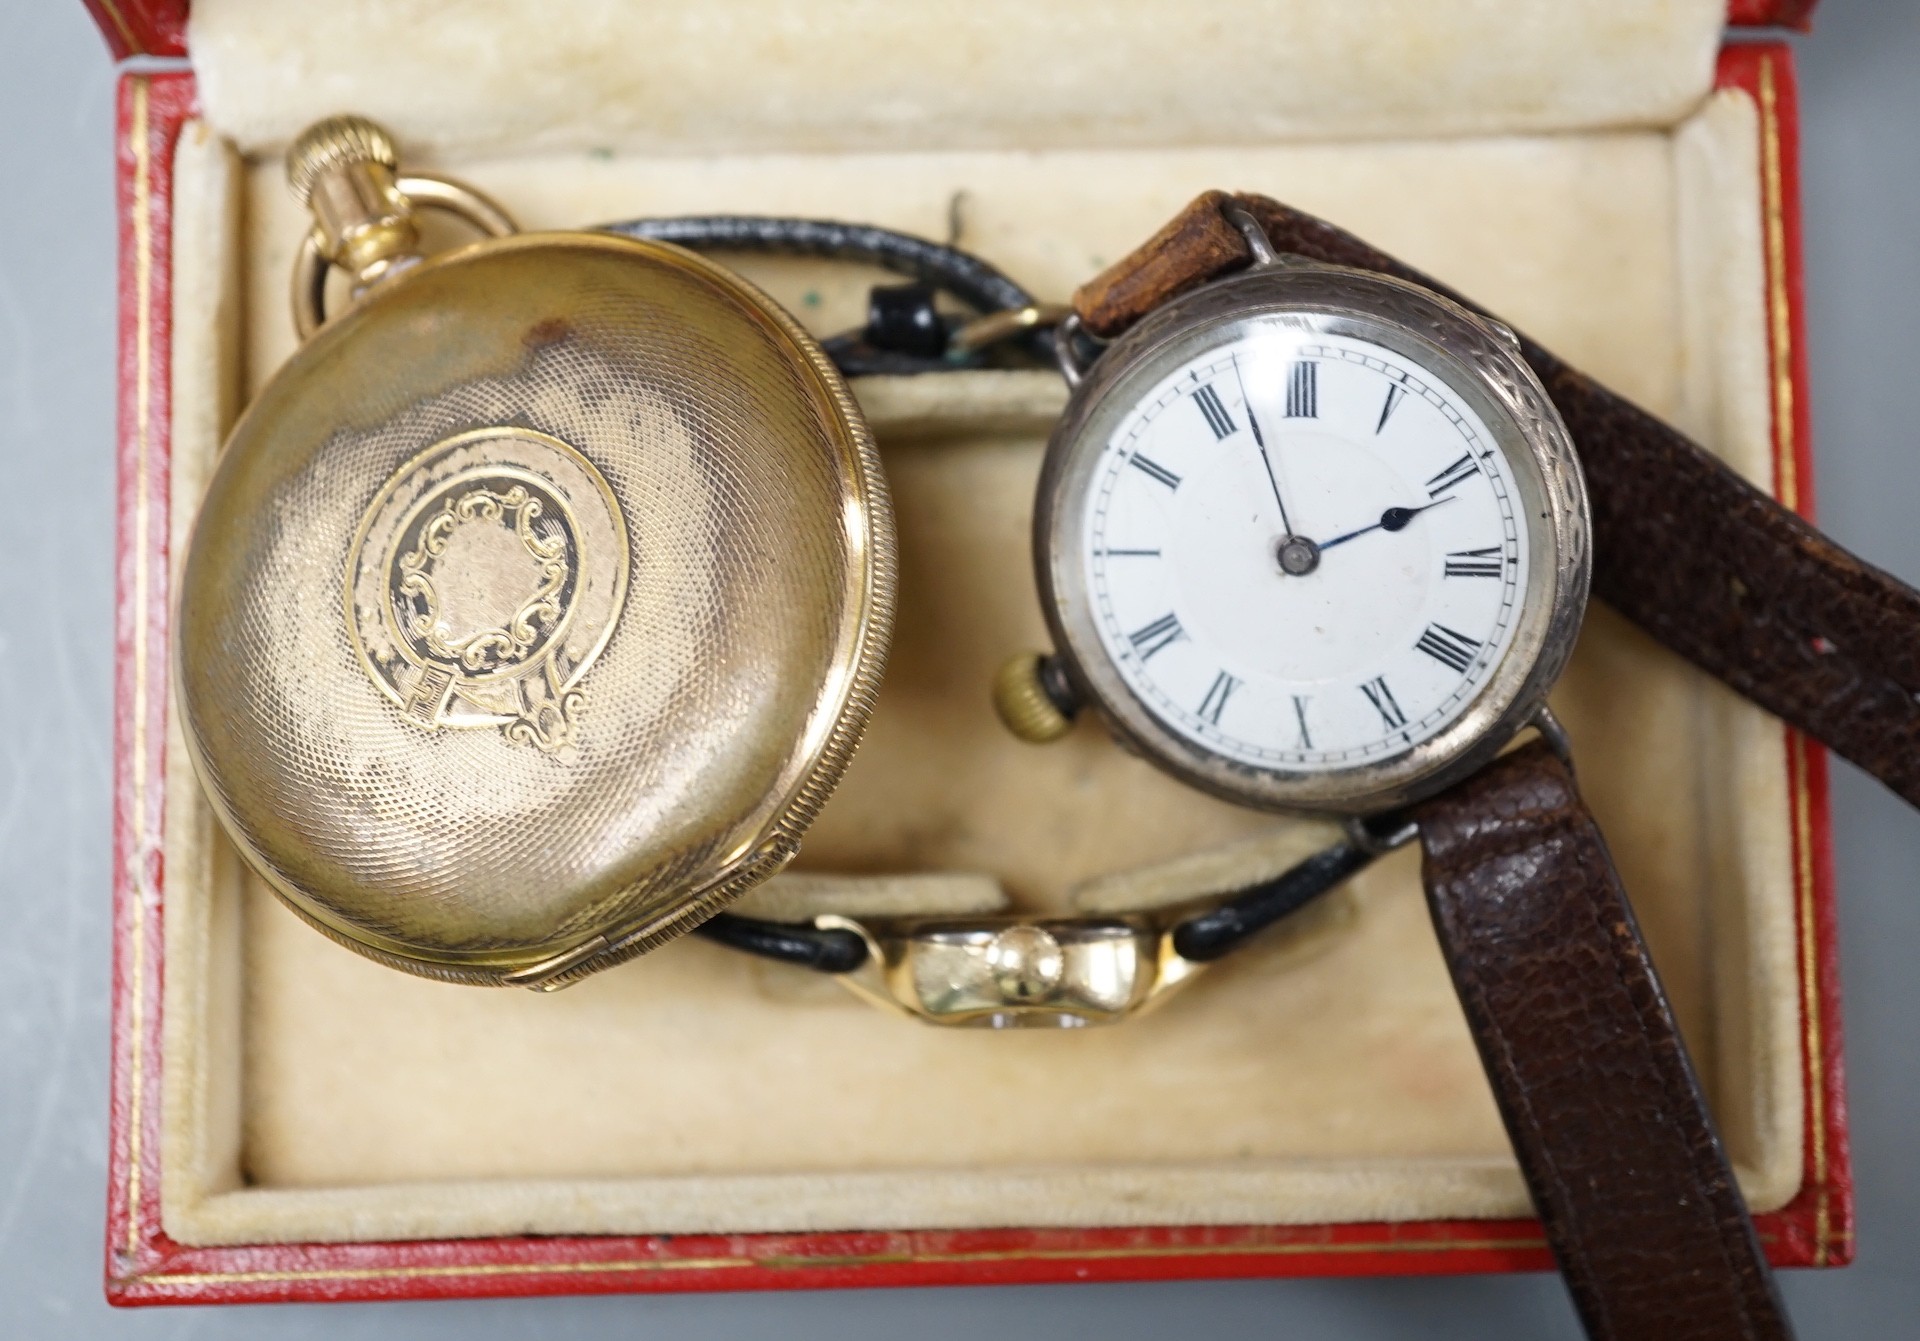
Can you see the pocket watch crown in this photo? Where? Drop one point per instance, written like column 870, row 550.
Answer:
column 343, row 171
column 1032, row 699
column 336, row 142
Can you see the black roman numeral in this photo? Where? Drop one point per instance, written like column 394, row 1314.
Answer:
column 1156, row 636
column 1383, row 702
column 1156, row 470
column 1451, row 476
column 1475, row 562
column 1394, row 392
column 1215, row 702
column 1303, row 390
column 1449, row 647
column 1300, row 716
column 1216, row 414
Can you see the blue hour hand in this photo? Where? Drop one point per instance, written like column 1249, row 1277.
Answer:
column 1393, row 519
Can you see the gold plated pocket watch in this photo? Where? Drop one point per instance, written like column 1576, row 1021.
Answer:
column 538, row 602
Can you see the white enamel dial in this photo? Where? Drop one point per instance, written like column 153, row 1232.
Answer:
column 1303, row 551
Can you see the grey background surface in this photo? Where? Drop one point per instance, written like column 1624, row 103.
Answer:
column 1861, row 107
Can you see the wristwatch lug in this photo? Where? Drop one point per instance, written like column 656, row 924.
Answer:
column 1176, row 970
column 1378, row 839
column 1264, row 252
column 1066, row 349
column 1265, row 255
column 1554, row 734
column 869, row 981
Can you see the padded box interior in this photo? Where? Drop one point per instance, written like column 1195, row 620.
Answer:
column 1326, row 1075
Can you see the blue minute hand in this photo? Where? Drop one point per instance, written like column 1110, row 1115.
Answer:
column 1393, row 519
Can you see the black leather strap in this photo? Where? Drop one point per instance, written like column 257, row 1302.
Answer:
column 1201, row 937
column 869, row 351
column 798, row 943
column 965, row 276
column 1219, row 931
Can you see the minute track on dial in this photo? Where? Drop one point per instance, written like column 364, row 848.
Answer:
column 1247, row 656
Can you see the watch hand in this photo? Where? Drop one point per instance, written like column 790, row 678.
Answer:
column 1393, row 519
column 1260, row 438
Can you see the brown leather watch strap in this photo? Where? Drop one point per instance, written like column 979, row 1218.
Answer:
column 1592, row 1079
column 1708, row 564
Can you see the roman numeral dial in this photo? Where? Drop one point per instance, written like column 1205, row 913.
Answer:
column 1156, row 472
column 1214, row 411
column 1445, row 482
column 1449, row 647
column 1382, row 624
column 1384, row 702
column 1394, row 394
column 1156, row 636
column 1303, row 390
column 1218, row 693
column 1486, row 561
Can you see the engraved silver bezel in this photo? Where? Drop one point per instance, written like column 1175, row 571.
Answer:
column 1474, row 358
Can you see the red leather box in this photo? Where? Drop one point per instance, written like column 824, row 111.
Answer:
column 151, row 1259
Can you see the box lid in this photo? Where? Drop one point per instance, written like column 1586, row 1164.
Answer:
column 734, row 76
column 159, row 27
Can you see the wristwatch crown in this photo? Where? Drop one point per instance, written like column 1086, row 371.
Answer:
column 1025, row 704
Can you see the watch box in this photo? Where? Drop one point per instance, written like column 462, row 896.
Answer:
column 290, row 1121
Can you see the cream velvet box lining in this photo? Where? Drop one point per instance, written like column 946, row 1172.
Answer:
column 1322, row 1076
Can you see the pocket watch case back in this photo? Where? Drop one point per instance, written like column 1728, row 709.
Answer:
column 535, row 607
